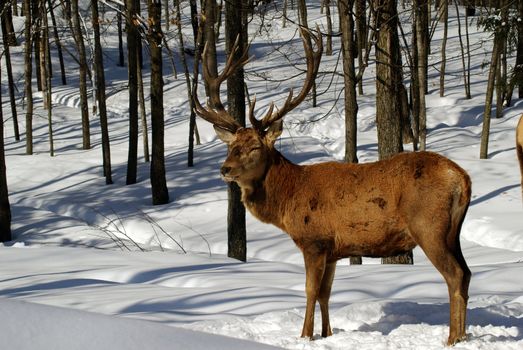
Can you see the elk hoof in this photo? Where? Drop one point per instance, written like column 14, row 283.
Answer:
column 453, row 340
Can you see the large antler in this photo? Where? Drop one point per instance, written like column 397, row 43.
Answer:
column 215, row 112
column 313, row 63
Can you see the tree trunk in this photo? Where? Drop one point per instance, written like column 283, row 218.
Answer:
column 389, row 84
column 444, row 8
column 100, row 94
column 83, row 69
column 422, row 49
column 236, row 230
column 121, row 56
column 361, row 36
column 466, row 69
column 351, row 104
column 7, row 22
column 209, row 38
column 519, row 55
column 132, row 69
column 192, row 115
column 58, row 43
column 37, row 22
column 10, row 81
column 46, row 78
column 496, row 50
column 5, row 208
column 160, row 194
column 388, row 81
column 143, row 114
column 328, row 48
column 28, row 71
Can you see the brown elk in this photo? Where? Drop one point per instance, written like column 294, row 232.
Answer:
column 519, row 149
column 334, row 210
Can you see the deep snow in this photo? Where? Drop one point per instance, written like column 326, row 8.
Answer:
column 65, row 221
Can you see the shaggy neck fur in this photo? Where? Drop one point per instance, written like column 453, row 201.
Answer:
column 267, row 196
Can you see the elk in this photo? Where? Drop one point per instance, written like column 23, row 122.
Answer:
column 334, row 210
column 519, row 149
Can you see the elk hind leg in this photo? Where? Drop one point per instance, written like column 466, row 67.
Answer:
column 323, row 298
column 442, row 247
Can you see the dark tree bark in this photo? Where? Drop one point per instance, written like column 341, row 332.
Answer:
column 422, row 51
column 328, row 46
column 83, row 69
column 389, row 84
column 58, row 43
column 10, row 81
column 46, row 75
column 132, row 68
column 7, row 22
column 28, row 71
column 160, row 194
column 519, row 54
column 5, row 208
column 210, row 38
column 444, row 8
column 37, row 22
column 100, row 94
column 345, row 9
column 361, row 35
column 237, row 237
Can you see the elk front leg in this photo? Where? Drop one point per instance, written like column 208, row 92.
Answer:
column 323, row 298
column 314, row 271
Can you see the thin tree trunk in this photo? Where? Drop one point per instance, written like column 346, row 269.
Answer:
column 28, row 71
column 160, row 194
column 121, row 57
column 328, row 48
column 37, row 22
column 100, row 94
column 10, row 81
column 192, row 116
column 421, row 44
column 83, row 69
column 58, row 43
column 444, row 8
column 234, row 22
column 209, row 38
column 519, row 55
column 361, row 36
column 46, row 78
column 132, row 69
column 5, row 208
column 143, row 114
column 302, row 16
column 466, row 70
column 483, row 154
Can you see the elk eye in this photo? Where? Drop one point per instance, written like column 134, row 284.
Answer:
column 255, row 149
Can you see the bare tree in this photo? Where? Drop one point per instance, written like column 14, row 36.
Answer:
column 235, row 30
column 132, row 68
column 345, row 9
column 444, row 16
column 100, row 94
column 5, row 208
column 9, row 69
column 82, row 72
column 58, row 43
column 28, row 72
column 160, row 194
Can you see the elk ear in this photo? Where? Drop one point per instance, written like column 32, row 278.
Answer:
column 274, row 131
column 224, row 134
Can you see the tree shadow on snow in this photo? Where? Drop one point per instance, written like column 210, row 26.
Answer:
column 400, row 313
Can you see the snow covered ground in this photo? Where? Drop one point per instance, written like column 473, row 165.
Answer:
column 75, row 276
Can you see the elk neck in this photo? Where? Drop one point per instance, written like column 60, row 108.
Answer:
column 267, row 196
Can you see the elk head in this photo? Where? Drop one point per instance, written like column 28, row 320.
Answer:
column 250, row 148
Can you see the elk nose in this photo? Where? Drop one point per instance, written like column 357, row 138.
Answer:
column 225, row 170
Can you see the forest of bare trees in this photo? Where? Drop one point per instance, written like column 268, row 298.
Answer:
column 156, row 37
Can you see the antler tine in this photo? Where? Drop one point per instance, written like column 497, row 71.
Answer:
column 215, row 112
column 313, row 63
column 254, row 122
